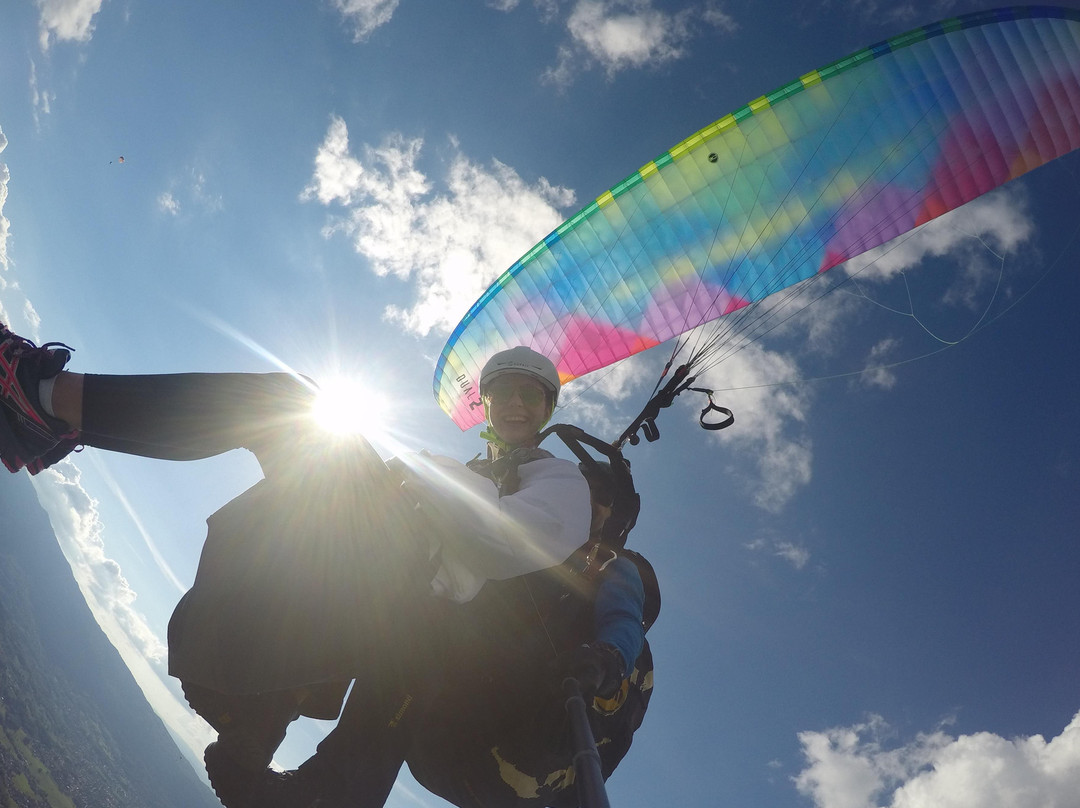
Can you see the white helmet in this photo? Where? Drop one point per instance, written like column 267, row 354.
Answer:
column 522, row 360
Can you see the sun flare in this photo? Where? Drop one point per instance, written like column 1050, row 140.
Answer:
column 347, row 407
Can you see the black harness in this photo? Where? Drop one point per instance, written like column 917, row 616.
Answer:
column 582, row 570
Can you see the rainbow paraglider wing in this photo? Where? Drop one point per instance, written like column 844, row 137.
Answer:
column 834, row 164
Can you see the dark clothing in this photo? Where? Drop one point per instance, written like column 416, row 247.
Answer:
column 304, row 578
column 483, row 724
column 309, row 576
column 188, row 416
column 498, row 734
column 476, row 760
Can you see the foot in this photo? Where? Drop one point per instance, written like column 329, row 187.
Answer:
column 30, row 437
column 233, row 783
column 291, row 789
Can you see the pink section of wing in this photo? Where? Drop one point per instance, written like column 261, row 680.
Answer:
column 587, row 345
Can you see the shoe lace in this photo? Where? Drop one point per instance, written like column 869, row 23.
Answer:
column 24, row 346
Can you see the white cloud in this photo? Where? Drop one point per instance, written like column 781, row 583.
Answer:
column 795, row 554
column 851, row 767
column 602, row 403
column 451, row 244
column 975, row 242
column 563, row 72
column 190, row 191
column 619, row 34
column 5, row 225
column 40, row 99
column 769, row 420
column 944, row 278
column 878, row 373
column 30, row 316
column 769, row 433
column 627, row 34
column 337, row 173
column 364, row 16
column 167, row 203
column 66, row 20
column 547, row 9
column 78, row 529
column 715, row 16
column 939, row 280
column 994, row 223
column 209, row 201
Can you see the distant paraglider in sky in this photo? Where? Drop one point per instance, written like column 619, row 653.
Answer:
column 834, row 164
column 119, row 159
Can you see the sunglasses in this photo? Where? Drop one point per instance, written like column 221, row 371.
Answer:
column 530, row 395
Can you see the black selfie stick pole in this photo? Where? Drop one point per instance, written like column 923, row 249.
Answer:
column 587, row 772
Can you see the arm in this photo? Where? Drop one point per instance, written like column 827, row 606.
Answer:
column 481, row 536
column 603, row 664
column 617, row 616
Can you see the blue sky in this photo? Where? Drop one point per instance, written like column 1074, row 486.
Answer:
column 869, row 581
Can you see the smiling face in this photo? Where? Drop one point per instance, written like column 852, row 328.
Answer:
column 518, row 407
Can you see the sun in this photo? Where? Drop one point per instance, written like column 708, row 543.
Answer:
column 345, row 406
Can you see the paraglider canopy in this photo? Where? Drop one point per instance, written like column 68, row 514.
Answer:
column 829, row 166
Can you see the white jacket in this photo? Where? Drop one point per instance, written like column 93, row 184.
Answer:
column 484, row 536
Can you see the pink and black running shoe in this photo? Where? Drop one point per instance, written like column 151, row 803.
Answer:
column 29, row 437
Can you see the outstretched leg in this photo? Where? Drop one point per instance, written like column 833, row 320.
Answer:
column 190, row 416
column 358, row 762
column 250, row 729
column 47, row 412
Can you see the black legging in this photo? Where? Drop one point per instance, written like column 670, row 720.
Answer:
column 189, row 416
column 359, row 760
